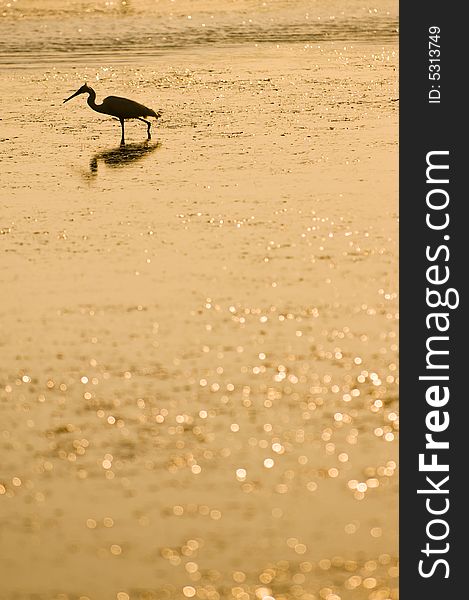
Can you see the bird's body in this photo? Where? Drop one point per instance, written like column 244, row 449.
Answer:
column 121, row 108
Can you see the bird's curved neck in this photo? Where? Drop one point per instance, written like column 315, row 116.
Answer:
column 92, row 101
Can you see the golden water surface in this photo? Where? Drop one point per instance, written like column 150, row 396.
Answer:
column 198, row 380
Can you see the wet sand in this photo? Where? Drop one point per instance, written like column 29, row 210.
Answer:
column 198, row 392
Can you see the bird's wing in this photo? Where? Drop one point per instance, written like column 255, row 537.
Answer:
column 125, row 108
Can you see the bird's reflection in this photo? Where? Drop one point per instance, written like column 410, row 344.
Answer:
column 123, row 155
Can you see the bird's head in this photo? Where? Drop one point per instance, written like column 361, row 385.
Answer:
column 85, row 89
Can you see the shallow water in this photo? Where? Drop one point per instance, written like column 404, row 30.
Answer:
column 54, row 31
column 198, row 393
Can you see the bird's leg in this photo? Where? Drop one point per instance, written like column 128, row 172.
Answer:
column 122, row 125
column 148, row 126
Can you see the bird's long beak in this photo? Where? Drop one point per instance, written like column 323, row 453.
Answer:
column 72, row 96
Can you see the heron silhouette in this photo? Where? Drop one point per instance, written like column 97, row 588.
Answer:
column 121, row 108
